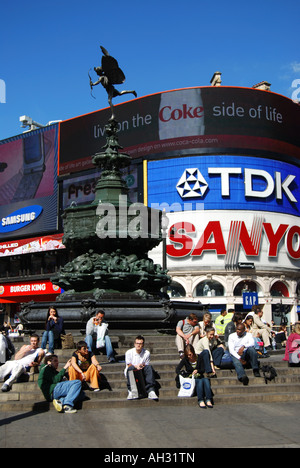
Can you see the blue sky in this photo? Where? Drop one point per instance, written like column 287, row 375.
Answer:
column 47, row 49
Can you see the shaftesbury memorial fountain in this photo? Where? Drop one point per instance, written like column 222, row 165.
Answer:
column 110, row 239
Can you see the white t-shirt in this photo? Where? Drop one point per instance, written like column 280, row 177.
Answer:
column 135, row 358
column 235, row 343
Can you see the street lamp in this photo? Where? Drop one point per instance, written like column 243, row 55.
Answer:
column 164, row 227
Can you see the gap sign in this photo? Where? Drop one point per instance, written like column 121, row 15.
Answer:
column 250, row 299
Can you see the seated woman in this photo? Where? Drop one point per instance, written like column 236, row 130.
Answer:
column 258, row 343
column 292, row 349
column 84, row 366
column 54, row 329
column 211, row 350
column 194, row 366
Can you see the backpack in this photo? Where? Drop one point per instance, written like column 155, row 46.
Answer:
column 269, row 373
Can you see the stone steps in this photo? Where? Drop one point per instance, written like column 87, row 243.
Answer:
column 26, row 396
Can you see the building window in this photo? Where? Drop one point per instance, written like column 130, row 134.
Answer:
column 209, row 289
column 279, row 289
column 245, row 286
column 176, row 290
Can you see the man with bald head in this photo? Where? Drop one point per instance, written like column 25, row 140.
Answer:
column 242, row 351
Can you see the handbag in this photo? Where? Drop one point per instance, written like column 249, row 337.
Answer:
column 67, row 341
column 187, row 386
column 137, row 383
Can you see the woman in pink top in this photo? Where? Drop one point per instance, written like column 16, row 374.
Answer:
column 292, row 350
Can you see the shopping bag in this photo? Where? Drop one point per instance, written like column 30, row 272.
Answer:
column 137, row 383
column 187, row 386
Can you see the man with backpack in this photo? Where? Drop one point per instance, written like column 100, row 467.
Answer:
column 187, row 332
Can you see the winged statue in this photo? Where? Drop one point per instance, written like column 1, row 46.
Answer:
column 110, row 74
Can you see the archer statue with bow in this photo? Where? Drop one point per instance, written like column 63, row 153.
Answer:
column 110, row 74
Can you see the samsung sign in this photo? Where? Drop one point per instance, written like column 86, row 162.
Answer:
column 20, row 218
column 225, row 182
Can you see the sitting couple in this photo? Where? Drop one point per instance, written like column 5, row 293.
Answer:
column 82, row 367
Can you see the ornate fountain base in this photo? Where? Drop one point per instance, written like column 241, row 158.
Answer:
column 122, row 311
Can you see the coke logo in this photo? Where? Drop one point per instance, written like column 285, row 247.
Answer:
column 185, row 112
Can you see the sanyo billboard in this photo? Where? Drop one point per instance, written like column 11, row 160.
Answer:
column 224, row 239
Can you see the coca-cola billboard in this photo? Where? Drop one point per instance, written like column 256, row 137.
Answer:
column 189, row 121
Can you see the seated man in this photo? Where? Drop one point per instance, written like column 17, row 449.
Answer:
column 28, row 356
column 187, row 332
column 97, row 328
column 261, row 329
column 138, row 358
column 63, row 393
column 242, row 351
column 211, row 350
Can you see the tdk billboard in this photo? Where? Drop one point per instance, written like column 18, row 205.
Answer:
column 224, row 183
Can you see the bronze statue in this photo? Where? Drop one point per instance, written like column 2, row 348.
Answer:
column 110, row 74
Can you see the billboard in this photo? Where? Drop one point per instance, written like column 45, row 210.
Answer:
column 224, row 239
column 32, row 245
column 13, row 291
column 224, row 182
column 28, row 183
column 80, row 189
column 202, row 120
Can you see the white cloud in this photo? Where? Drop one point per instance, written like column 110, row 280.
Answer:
column 295, row 67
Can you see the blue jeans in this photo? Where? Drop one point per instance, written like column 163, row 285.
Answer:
column 91, row 347
column 68, row 392
column 249, row 355
column 217, row 355
column 203, row 389
column 48, row 336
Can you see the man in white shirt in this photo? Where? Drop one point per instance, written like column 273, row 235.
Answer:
column 28, row 356
column 138, row 358
column 241, row 348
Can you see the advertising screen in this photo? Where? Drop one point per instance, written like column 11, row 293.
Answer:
column 188, row 121
column 223, row 182
column 28, row 183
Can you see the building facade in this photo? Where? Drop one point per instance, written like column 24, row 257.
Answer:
column 224, row 164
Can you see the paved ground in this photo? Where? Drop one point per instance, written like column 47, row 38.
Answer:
column 261, row 425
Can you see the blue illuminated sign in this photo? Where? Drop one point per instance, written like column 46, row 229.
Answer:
column 225, row 183
column 249, row 300
column 20, row 218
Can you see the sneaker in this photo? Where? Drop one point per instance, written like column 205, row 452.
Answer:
column 68, row 409
column 130, row 396
column 181, row 354
column 256, row 373
column 5, row 388
column 152, row 395
column 111, row 360
column 57, row 405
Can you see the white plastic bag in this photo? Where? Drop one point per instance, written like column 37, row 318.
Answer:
column 187, row 386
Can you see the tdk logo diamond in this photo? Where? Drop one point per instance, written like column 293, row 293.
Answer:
column 192, row 184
